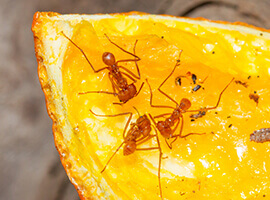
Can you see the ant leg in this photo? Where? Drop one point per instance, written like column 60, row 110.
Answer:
column 144, row 139
column 113, row 83
column 112, row 157
column 153, row 120
column 159, row 164
column 129, row 77
column 120, row 114
column 128, row 122
column 159, row 160
column 159, row 88
column 103, row 92
column 99, row 70
column 136, row 111
column 128, row 60
column 158, row 116
column 181, row 130
column 170, row 147
column 131, row 60
column 160, row 156
column 96, row 71
column 120, row 104
column 192, row 134
column 151, row 99
column 136, row 57
column 145, row 149
column 137, row 67
column 176, row 126
column 201, row 82
column 113, row 86
column 131, row 73
column 139, row 90
column 214, row 107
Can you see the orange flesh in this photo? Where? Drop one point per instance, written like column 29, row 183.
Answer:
column 223, row 163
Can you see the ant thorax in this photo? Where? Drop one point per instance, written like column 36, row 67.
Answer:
column 133, row 133
column 122, row 82
column 115, row 69
column 170, row 121
column 177, row 112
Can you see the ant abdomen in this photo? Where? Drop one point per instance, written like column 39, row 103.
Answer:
column 164, row 130
column 125, row 95
column 129, row 148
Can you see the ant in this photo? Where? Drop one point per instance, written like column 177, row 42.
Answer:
column 139, row 133
column 125, row 91
column 168, row 127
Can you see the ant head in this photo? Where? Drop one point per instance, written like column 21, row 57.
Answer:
column 185, row 104
column 108, row 58
column 142, row 119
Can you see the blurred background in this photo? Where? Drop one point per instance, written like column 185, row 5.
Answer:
column 30, row 167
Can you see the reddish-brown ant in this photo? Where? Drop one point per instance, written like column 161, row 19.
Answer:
column 168, row 127
column 139, row 133
column 125, row 91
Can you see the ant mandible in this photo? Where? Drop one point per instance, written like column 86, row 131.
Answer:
column 168, row 127
column 125, row 91
column 139, row 133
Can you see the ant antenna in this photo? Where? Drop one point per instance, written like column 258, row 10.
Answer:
column 137, row 110
column 178, row 61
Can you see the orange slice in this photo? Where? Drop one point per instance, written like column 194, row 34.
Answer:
column 222, row 163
